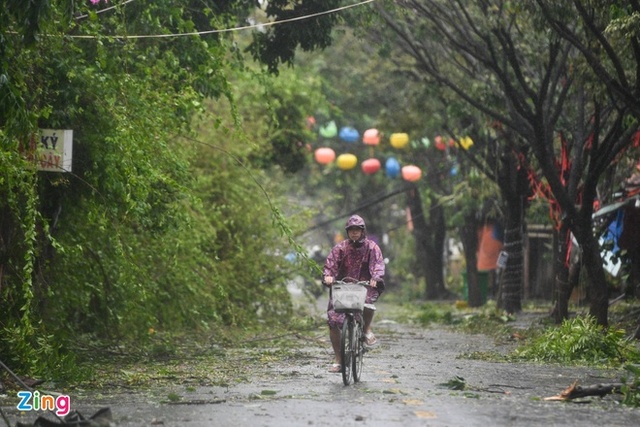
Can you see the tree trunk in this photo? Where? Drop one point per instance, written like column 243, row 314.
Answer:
column 510, row 296
column 514, row 186
column 429, row 244
column 598, row 287
column 562, row 286
column 469, row 238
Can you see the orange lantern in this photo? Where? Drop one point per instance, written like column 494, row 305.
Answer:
column 371, row 166
column 371, row 137
column 399, row 140
column 411, row 173
column 324, row 155
column 347, row 161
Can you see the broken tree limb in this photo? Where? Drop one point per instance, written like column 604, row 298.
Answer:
column 575, row 391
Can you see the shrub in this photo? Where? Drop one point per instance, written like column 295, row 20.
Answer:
column 581, row 341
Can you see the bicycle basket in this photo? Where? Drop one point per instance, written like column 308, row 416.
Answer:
column 348, row 297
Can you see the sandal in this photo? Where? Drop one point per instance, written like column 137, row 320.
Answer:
column 370, row 339
column 335, row 368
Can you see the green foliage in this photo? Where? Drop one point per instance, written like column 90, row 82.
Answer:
column 435, row 313
column 277, row 44
column 154, row 230
column 455, row 383
column 580, row 341
column 631, row 388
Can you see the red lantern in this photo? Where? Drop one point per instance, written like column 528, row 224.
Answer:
column 411, row 173
column 371, row 166
column 440, row 145
column 371, row 137
column 324, row 155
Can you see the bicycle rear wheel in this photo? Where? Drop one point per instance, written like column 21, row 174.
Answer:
column 358, row 351
column 346, row 349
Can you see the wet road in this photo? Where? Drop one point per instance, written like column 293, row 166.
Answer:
column 401, row 386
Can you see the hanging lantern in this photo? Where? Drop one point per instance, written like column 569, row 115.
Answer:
column 440, row 145
column 452, row 142
column 311, row 122
column 392, row 167
column 426, row 143
column 466, row 142
column 411, row 173
column 329, row 130
column 371, row 166
column 324, row 155
column 399, row 140
column 347, row 161
column 349, row 134
column 371, row 137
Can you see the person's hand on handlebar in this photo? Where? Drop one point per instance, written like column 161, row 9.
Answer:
column 373, row 283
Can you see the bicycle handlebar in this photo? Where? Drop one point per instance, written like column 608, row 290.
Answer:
column 361, row 283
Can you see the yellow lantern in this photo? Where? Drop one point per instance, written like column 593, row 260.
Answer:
column 399, row 140
column 347, row 161
column 466, row 142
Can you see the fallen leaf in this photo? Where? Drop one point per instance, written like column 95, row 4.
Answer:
column 414, row 402
column 425, row 415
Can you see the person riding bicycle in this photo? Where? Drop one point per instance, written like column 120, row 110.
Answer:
column 359, row 258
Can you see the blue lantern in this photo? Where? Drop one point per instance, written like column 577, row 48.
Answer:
column 392, row 167
column 349, row 134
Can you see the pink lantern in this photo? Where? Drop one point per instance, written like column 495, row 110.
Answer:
column 440, row 145
column 371, row 137
column 371, row 166
column 411, row 173
column 311, row 122
column 324, row 155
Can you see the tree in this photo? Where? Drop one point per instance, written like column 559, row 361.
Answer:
column 522, row 77
column 140, row 235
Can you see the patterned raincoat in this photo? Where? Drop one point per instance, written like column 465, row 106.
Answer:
column 359, row 260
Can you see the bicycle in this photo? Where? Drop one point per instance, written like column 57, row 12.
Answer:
column 349, row 298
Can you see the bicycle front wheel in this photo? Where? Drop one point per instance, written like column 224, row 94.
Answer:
column 358, row 351
column 346, row 349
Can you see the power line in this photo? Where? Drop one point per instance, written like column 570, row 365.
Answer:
column 402, row 189
column 106, row 9
column 228, row 30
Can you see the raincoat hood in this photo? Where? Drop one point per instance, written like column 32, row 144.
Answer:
column 357, row 221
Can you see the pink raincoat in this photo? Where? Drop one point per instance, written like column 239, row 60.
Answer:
column 360, row 260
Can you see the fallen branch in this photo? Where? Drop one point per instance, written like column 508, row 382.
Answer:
column 574, row 391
